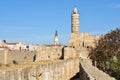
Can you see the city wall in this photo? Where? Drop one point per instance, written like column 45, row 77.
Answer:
column 90, row 72
column 53, row 70
column 46, row 70
column 18, row 56
column 54, row 52
column 49, row 52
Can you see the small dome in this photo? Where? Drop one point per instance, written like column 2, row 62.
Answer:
column 75, row 11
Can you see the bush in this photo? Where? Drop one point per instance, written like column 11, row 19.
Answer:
column 107, row 53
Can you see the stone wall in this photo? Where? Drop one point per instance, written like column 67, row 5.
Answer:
column 69, row 53
column 46, row 70
column 49, row 52
column 18, row 56
column 83, row 40
column 89, row 72
column 54, row 52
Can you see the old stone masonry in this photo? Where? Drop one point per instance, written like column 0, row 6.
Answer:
column 56, row 61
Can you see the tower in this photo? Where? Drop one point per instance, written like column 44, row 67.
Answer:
column 56, row 40
column 74, row 29
column 75, row 21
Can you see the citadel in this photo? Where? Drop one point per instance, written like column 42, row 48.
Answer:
column 54, row 61
column 79, row 42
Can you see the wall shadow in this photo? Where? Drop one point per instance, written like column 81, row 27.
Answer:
column 34, row 58
column 76, row 77
column 83, row 74
column 62, row 56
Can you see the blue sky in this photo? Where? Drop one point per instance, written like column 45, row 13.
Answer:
column 35, row 21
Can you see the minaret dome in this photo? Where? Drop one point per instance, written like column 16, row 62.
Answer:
column 75, row 11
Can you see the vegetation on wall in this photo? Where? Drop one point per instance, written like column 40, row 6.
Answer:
column 106, row 55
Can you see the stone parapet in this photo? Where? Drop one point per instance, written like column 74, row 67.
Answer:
column 45, row 70
column 89, row 72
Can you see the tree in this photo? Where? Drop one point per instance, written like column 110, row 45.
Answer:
column 106, row 54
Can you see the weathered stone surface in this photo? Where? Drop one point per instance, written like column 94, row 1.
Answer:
column 89, row 72
column 2, row 74
column 49, row 52
column 51, row 70
column 18, row 56
column 69, row 53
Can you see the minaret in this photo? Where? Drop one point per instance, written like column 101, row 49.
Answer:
column 74, row 28
column 56, row 41
column 75, row 21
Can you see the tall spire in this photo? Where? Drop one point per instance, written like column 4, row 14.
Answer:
column 56, row 40
column 56, row 34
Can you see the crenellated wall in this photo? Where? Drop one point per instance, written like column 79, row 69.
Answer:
column 45, row 70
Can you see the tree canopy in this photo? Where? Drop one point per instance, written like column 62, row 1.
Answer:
column 106, row 54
